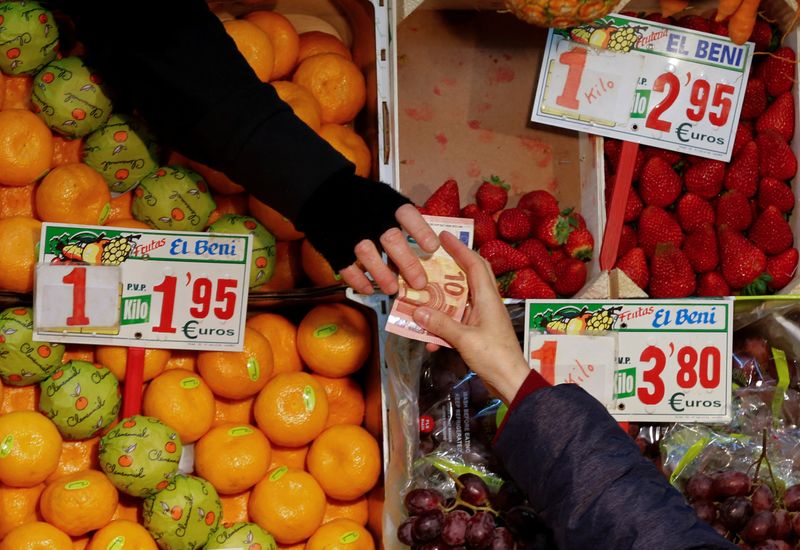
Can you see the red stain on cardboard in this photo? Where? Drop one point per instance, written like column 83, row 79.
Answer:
column 485, row 136
column 437, row 90
column 441, row 139
column 501, row 75
column 538, row 148
column 483, row 107
column 449, row 81
column 552, row 185
column 423, row 113
column 473, row 170
column 474, row 124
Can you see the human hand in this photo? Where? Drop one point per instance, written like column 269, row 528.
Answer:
column 398, row 250
column 485, row 338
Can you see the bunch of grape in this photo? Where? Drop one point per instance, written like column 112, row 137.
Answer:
column 623, row 39
column 474, row 520
column 117, row 249
column 748, row 513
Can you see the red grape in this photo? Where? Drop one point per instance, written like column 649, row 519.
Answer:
column 791, row 498
column 735, row 512
column 719, row 528
column 435, row 545
column 783, row 525
column 502, row 540
column 473, row 490
column 454, row 531
column 508, row 496
column 428, row 526
column 759, row 527
column 796, row 524
column 699, row 487
column 705, row 510
column 404, row 532
column 774, row 545
column 422, row 500
column 479, row 530
column 762, row 499
column 730, row 484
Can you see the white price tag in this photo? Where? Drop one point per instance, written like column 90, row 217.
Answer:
column 642, row 81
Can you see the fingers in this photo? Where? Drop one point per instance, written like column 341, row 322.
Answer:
column 412, row 221
column 440, row 324
column 479, row 277
column 356, row 279
column 432, row 348
column 396, row 246
column 367, row 253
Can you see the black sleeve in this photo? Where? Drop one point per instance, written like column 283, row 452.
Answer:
column 588, row 480
column 173, row 61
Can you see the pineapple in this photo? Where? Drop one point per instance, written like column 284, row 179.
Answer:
column 560, row 14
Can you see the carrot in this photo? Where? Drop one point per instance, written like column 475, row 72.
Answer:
column 742, row 21
column 671, row 7
column 726, row 8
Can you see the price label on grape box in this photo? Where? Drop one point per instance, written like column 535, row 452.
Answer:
column 644, row 360
column 646, row 82
column 148, row 288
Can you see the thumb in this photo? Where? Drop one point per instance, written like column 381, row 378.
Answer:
column 438, row 323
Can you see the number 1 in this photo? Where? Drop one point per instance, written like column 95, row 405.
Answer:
column 575, row 59
column 546, row 355
column 77, row 278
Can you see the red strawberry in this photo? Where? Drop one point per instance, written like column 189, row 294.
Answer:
column 671, row 275
column 503, row 257
column 782, row 268
column 777, row 71
column 612, row 149
column 779, row 116
column 659, row 185
column 775, row 193
column 514, row 224
column 553, row 231
column 540, row 259
column 580, row 244
column 658, row 18
column 445, row 201
column 634, row 205
column 671, row 157
column 770, row 232
column 705, row 178
column 540, row 204
column 485, row 228
column 694, row 211
column 524, row 284
column 570, row 276
column 742, row 262
column 733, row 211
column 755, row 99
column 712, row 284
column 743, row 171
column 775, row 157
column 634, row 264
column 701, row 249
column 744, row 135
column 761, row 36
column 695, row 22
column 656, row 225
column 492, row 195
column 720, row 28
column 575, row 219
column 629, row 239
column 558, row 255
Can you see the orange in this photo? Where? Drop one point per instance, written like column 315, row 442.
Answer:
column 316, row 267
column 66, row 151
column 282, row 336
column 232, row 457
column 20, row 398
column 115, row 359
column 26, row 147
column 122, row 534
column 336, row 83
column 17, row 201
column 356, row 510
column 334, row 340
column 128, row 508
column 215, row 179
column 120, row 208
column 30, row 447
column 302, row 102
column 73, row 193
column 289, row 504
column 345, row 400
column 274, row 221
column 18, row 506
column 231, row 204
column 346, row 461
column 36, row 535
column 291, row 457
column 375, row 505
column 80, row 502
column 18, row 92
column 317, row 42
column 80, row 543
column 238, row 374
column 76, row 456
column 1, row 393
column 341, row 534
column 181, row 359
column 284, row 39
column 2, row 88
column 128, row 223
column 350, row 145
column 19, row 241
column 254, row 45
column 182, row 401
column 79, row 352
column 238, row 411
column 234, row 508
column 292, row 409
column 287, row 271
column 299, row 546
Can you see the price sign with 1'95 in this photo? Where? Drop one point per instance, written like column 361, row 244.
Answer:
column 646, row 82
column 150, row 288
column 644, row 360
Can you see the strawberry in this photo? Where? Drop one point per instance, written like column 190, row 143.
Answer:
column 540, row 204
column 771, row 232
column 558, row 255
column 554, row 230
column 700, row 248
column 755, row 99
column 779, row 116
column 742, row 262
column 658, row 18
column 775, row 193
column 570, row 276
column 485, row 228
column 671, row 275
column 492, row 195
column 634, row 205
column 775, row 157
column 733, row 211
column 575, row 219
column 656, row 225
column 580, row 244
column 720, row 28
column 503, row 257
column 743, row 171
column 744, row 135
column 695, row 22
column 445, row 200
column 762, row 36
column 777, row 71
column 540, row 259
column 629, row 239
column 659, row 184
column 524, row 284
column 705, row 178
column 612, row 149
column 634, row 264
column 712, row 284
column 782, row 268
column 693, row 212
column 514, row 225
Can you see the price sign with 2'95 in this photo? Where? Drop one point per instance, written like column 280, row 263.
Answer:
column 149, row 288
column 645, row 360
column 646, row 82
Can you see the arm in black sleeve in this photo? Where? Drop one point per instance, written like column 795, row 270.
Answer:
column 588, row 480
column 174, row 62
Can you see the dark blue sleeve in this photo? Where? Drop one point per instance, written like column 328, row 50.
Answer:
column 588, row 480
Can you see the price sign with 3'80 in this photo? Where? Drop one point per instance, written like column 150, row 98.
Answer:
column 646, row 82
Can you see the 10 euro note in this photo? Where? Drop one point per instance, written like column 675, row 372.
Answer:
column 447, row 288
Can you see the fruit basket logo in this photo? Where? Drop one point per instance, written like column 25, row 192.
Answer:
column 91, row 248
column 574, row 320
column 605, row 35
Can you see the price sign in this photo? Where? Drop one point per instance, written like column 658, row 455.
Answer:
column 646, row 82
column 645, row 360
column 149, row 288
